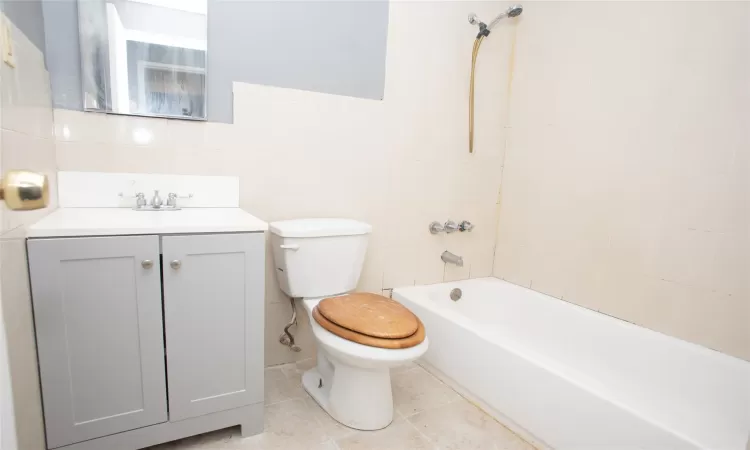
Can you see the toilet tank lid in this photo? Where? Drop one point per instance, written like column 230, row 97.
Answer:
column 319, row 227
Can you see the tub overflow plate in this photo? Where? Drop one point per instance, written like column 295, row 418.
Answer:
column 456, row 294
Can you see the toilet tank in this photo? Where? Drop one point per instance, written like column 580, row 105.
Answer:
column 318, row 257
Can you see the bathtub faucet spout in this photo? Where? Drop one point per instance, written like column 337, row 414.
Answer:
column 449, row 257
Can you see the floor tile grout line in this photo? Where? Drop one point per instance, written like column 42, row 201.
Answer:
column 460, row 397
column 429, row 441
column 296, row 369
column 410, row 372
column 412, row 369
column 284, row 401
column 330, row 442
column 443, row 405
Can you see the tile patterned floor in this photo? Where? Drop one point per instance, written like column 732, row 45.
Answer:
column 429, row 415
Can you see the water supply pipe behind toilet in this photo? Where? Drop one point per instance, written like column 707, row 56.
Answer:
column 286, row 337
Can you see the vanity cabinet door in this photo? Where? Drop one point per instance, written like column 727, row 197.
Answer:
column 98, row 316
column 213, row 309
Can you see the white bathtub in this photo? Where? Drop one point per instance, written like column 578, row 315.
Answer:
column 575, row 379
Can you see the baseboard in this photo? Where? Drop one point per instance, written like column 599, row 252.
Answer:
column 250, row 418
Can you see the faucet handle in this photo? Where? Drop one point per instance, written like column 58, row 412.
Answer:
column 172, row 200
column 450, row 226
column 436, row 227
column 140, row 200
column 465, row 226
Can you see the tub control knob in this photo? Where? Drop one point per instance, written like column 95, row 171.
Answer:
column 465, row 226
column 450, row 226
column 436, row 227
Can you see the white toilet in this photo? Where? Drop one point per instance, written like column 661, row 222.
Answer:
column 321, row 258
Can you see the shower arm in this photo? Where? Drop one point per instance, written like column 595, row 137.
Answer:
column 484, row 29
column 496, row 20
column 474, row 54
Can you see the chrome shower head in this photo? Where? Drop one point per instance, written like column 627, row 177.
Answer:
column 514, row 11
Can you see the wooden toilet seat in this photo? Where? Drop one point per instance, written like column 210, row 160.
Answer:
column 370, row 319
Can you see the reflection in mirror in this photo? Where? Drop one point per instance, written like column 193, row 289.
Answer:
column 92, row 25
column 144, row 57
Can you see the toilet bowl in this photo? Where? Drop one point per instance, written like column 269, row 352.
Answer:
column 322, row 258
column 351, row 381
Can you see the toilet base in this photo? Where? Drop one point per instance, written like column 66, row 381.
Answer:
column 358, row 398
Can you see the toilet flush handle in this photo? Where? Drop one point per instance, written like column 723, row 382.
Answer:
column 294, row 247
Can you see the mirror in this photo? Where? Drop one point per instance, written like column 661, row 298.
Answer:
column 144, row 57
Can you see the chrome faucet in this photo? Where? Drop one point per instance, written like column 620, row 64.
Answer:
column 156, row 203
column 449, row 257
column 450, row 227
column 156, row 200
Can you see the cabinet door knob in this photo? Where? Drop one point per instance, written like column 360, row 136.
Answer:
column 147, row 263
column 175, row 264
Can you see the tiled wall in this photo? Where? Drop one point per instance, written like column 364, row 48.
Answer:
column 398, row 164
column 26, row 142
column 626, row 178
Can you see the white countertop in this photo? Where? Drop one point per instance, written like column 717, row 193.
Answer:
column 121, row 221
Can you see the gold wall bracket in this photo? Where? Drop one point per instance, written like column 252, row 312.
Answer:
column 22, row 190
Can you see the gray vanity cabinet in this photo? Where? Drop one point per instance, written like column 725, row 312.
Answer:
column 97, row 308
column 146, row 339
column 213, row 306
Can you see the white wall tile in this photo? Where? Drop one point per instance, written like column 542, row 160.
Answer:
column 26, row 142
column 625, row 181
column 117, row 190
column 25, row 90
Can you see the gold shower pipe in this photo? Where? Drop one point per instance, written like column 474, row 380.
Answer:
column 477, row 44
